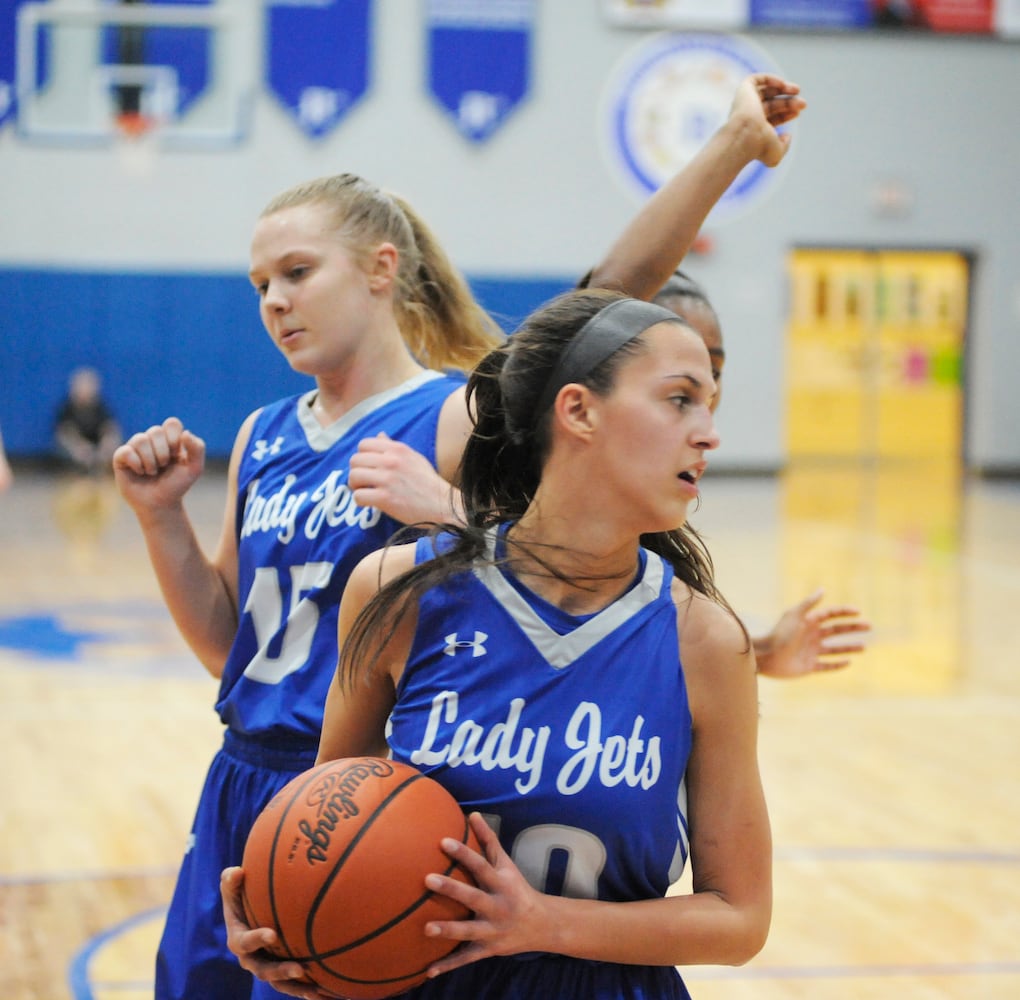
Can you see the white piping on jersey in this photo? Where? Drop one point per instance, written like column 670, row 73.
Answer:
column 562, row 650
column 683, row 843
column 323, row 438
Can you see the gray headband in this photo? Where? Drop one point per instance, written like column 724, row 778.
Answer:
column 603, row 335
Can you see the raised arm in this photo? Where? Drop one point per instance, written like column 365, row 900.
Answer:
column 657, row 239
column 154, row 469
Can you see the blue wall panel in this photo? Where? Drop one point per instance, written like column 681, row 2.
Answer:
column 181, row 344
column 186, row 345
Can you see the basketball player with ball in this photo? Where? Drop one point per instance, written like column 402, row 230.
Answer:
column 565, row 666
column 356, row 293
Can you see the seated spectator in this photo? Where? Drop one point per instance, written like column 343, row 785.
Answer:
column 86, row 431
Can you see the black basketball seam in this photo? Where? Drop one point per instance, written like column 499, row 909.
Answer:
column 318, row 958
column 351, row 844
column 313, row 775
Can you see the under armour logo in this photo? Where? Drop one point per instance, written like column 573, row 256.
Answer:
column 263, row 448
column 476, row 645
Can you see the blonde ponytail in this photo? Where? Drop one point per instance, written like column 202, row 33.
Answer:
column 441, row 323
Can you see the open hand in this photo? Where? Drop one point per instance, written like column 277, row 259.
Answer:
column 802, row 641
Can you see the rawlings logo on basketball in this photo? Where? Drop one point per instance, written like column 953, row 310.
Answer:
column 334, row 799
column 356, row 923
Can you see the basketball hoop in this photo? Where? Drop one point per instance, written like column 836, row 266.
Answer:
column 133, row 124
column 136, row 142
column 96, row 83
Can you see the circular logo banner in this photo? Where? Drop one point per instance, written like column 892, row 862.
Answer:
column 665, row 100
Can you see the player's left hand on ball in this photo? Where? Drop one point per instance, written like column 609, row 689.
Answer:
column 509, row 915
column 249, row 945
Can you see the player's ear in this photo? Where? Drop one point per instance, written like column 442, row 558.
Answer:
column 382, row 266
column 574, row 407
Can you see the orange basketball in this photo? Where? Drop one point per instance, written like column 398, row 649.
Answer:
column 336, row 863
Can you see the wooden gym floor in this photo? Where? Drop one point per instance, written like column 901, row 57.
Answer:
column 894, row 786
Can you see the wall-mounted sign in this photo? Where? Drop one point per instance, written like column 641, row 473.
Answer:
column 948, row 17
column 317, row 59
column 705, row 15
column 479, row 60
column 8, row 21
column 668, row 95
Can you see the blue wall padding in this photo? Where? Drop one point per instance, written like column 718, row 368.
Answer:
column 186, row 345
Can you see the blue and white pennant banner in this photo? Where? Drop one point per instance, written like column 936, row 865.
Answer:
column 479, row 60
column 8, row 19
column 317, row 59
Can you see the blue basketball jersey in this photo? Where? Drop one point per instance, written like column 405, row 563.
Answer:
column 573, row 741
column 300, row 534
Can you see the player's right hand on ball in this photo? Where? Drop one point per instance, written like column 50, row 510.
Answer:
column 510, row 916
column 156, row 467
column 250, row 945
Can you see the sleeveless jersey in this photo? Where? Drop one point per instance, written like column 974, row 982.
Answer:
column 572, row 741
column 300, row 534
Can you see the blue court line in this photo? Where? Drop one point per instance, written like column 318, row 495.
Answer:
column 124, row 986
column 81, row 988
column 933, row 969
column 917, row 855
column 862, row 854
column 103, row 875
column 132, row 607
column 78, row 973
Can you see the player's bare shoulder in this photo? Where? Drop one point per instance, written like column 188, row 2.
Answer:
column 379, row 567
column 713, row 642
